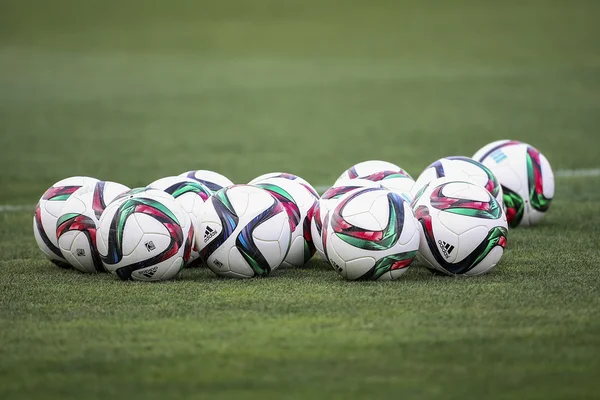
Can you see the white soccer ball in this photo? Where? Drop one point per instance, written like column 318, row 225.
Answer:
column 460, row 168
column 526, row 177
column 212, row 180
column 191, row 195
column 299, row 203
column 48, row 210
column 145, row 235
column 372, row 234
column 463, row 228
column 244, row 232
column 285, row 175
column 78, row 222
column 389, row 175
column 328, row 201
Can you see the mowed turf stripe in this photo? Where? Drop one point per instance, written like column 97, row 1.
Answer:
column 562, row 173
column 16, row 208
column 577, row 173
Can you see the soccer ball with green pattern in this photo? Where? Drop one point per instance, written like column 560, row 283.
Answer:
column 191, row 195
column 371, row 234
column 463, row 228
column 78, row 222
column 145, row 235
column 526, row 178
column 243, row 232
column 48, row 210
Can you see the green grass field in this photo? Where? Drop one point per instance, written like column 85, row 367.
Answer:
column 132, row 91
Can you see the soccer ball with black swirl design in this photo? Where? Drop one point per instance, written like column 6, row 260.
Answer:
column 299, row 203
column 145, row 235
column 463, row 228
column 371, row 234
column 243, row 232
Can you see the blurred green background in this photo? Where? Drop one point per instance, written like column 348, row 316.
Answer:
column 135, row 90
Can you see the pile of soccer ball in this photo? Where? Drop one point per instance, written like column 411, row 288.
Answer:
column 370, row 224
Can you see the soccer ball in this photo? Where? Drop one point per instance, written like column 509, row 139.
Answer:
column 145, row 235
column 372, row 234
column 328, row 201
column 285, row 175
column 389, row 175
column 47, row 212
column 463, row 228
column 299, row 203
column 212, row 180
column 77, row 224
column 526, row 178
column 191, row 195
column 244, row 232
column 460, row 169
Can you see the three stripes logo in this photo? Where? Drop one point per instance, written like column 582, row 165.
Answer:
column 446, row 248
column 208, row 233
column 498, row 156
column 149, row 273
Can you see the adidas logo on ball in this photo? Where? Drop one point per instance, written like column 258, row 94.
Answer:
column 209, row 233
column 446, row 248
column 334, row 265
column 148, row 273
